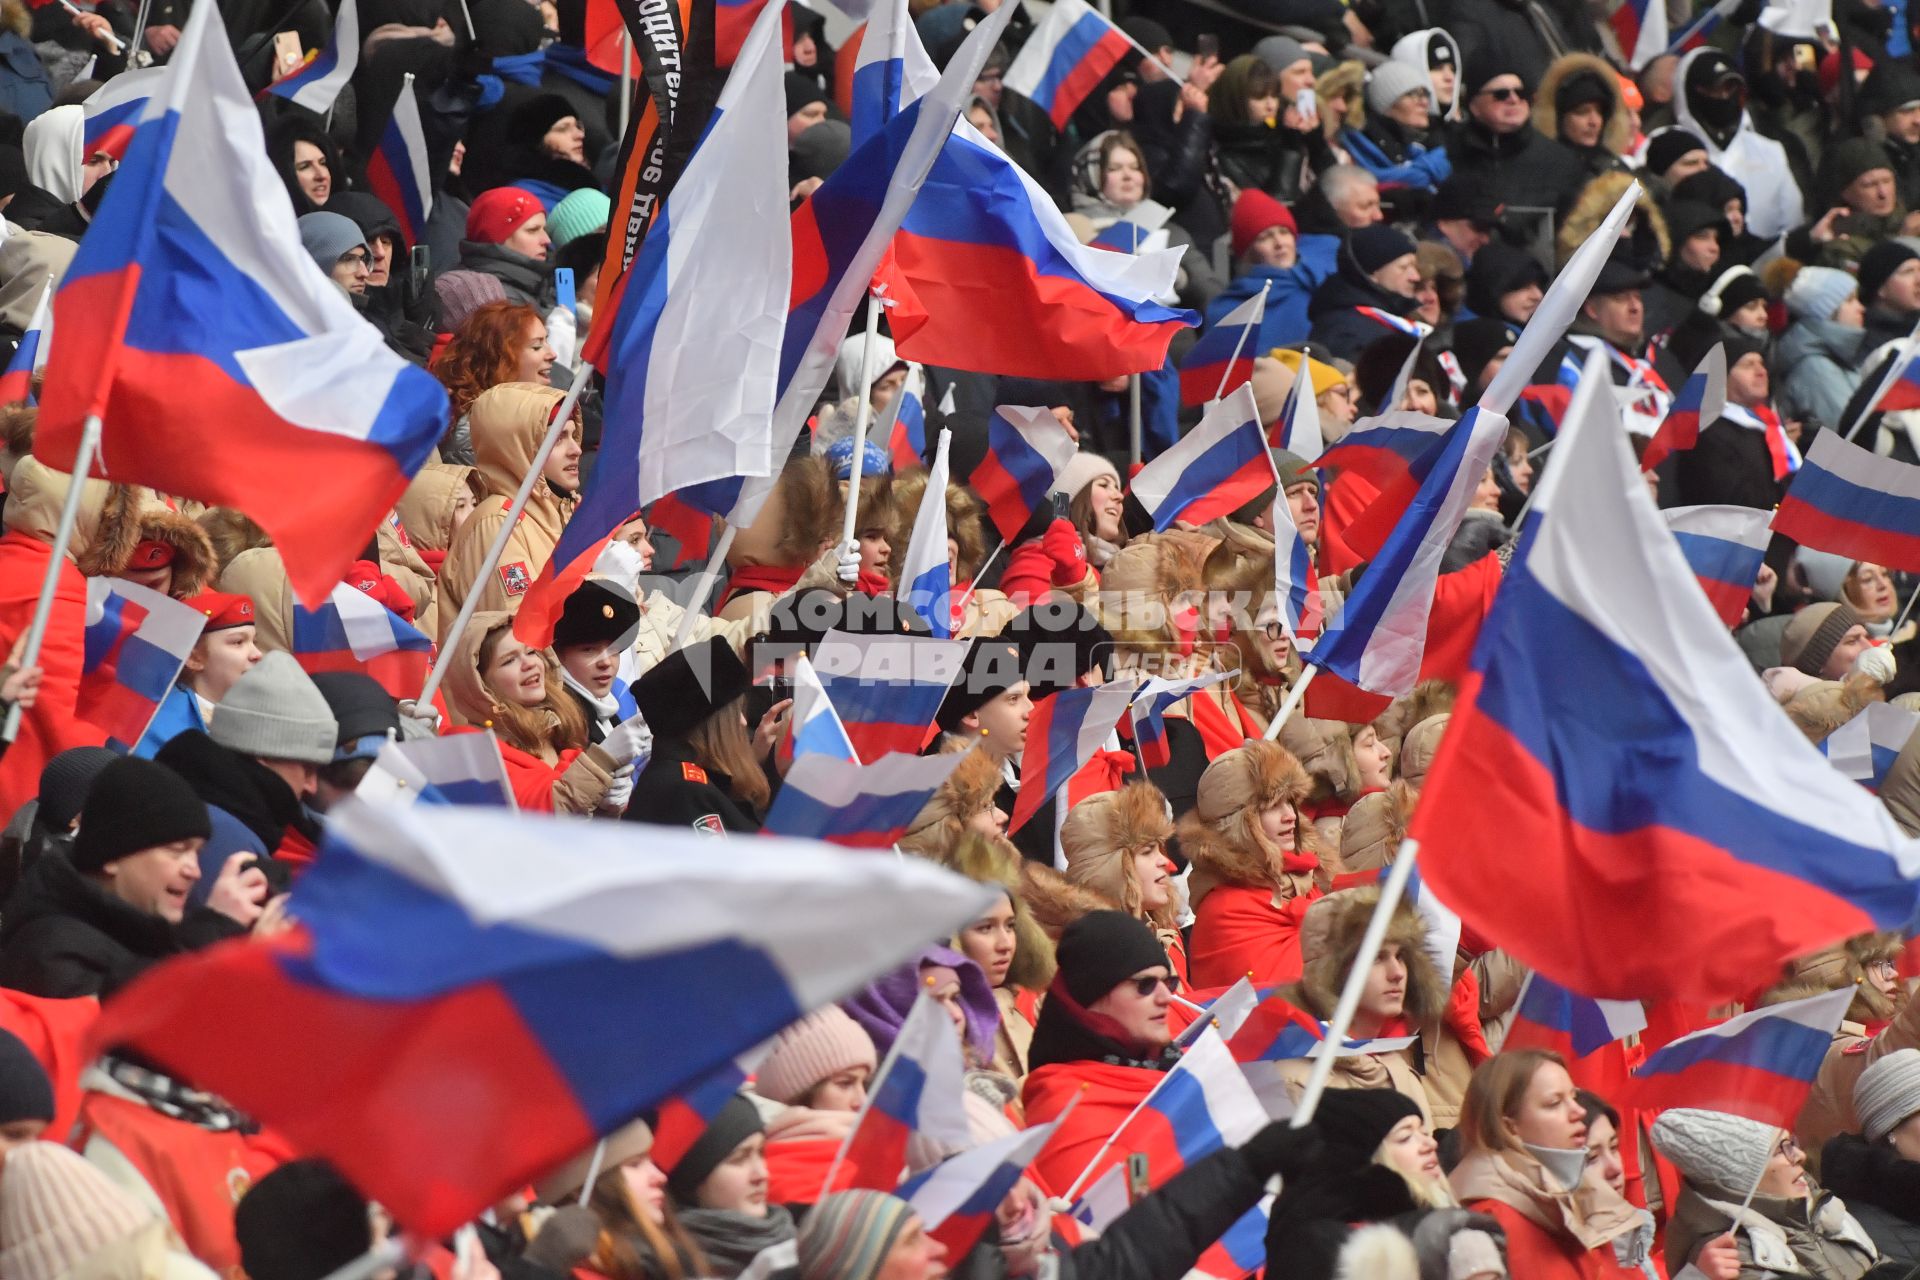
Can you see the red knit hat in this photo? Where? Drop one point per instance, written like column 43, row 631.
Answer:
column 498, row 213
column 224, row 610
column 1253, row 213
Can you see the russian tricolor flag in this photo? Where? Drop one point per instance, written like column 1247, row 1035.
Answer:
column 815, row 727
column 315, row 85
column 1902, row 389
column 1297, row 429
column 1295, row 588
column 926, row 578
column 1393, row 452
column 1066, row 58
column 1641, row 28
column 1062, row 735
column 1026, row 449
column 1215, row 469
column 113, row 110
column 1243, row 1249
column 1543, row 406
column 684, row 1117
column 398, row 172
column 458, row 768
column 226, row 366
column 30, row 357
column 1724, row 546
column 1865, row 747
column 1277, row 1031
column 355, row 632
column 1680, row 836
column 1760, row 1065
column 421, row 958
column 956, row 1198
column 1150, row 705
column 859, row 806
column 887, row 688
column 136, row 642
column 1701, row 401
column 1549, row 1016
column 1199, row 1107
column 919, row 1089
column 1222, row 359
column 906, row 426
column 541, row 607
column 1854, row 503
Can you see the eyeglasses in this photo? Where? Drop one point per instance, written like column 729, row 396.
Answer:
column 1508, row 95
column 1146, row 986
column 1788, row 1149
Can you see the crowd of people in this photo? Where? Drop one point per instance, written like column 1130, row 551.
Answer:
column 1402, row 181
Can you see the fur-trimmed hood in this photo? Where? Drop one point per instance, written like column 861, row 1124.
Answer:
column 801, row 512
column 1595, row 202
column 1375, row 826
column 1140, row 585
column 1213, row 833
column 427, row 507
column 1617, row 135
column 113, row 520
column 1330, row 940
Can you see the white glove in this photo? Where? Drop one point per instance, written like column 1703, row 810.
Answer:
column 848, row 563
column 618, row 560
column 417, row 721
column 1875, row 663
column 628, row 740
column 620, row 791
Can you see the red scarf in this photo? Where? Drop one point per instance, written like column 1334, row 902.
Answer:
column 774, row 578
column 1763, row 419
column 1220, row 731
column 870, row 583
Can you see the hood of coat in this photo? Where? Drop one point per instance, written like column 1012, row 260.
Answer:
column 1686, row 115
column 1617, row 135
column 468, row 697
column 426, row 508
column 1415, row 49
column 261, row 575
column 1371, row 833
column 1596, row 201
column 53, row 142
column 1808, row 338
column 113, row 520
column 507, row 423
column 1872, row 1173
column 28, row 261
column 51, row 887
column 1330, row 940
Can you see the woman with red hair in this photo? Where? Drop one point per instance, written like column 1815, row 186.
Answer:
column 500, row 342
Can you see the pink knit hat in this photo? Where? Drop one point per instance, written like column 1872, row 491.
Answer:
column 56, row 1210
column 820, row 1045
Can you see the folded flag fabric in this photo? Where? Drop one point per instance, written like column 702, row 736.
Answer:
column 1700, row 402
column 137, row 641
column 1660, row 789
column 398, row 171
column 1297, row 429
column 1760, row 1065
column 1854, row 503
column 354, row 632
column 30, row 357
column 1151, row 701
column 1865, row 747
column 317, row 83
column 1066, row 58
column 905, row 430
column 1725, row 547
column 861, row 806
column 1026, row 449
column 111, row 111
column 887, row 688
column 1549, row 1016
column 1062, row 735
column 425, row 955
column 815, row 725
column 1222, row 359
column 1243, row 1249
column 1277, row 1031
column 1226, row 1012
column 458, row 768
column 1296, row 591
column 926, row 578
column 1214, row 470
column 918, row 1089
column 956, row 1198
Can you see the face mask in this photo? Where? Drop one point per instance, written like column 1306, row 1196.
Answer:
column 1719, row 114
column 618, row 560
column 1563, row 1167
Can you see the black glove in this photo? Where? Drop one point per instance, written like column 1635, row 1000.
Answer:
column 1280, row 1148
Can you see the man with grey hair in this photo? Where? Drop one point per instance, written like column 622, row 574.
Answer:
column 1353, row 194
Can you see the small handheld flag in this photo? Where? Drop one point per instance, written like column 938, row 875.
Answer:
column 1063, row 733
column 1066, row 58
column 30, row 357
column 137, row 641
column 1702, row 399
column 956, row 1199
column 1725, row 547
column 355, row 632
column 1865, row 747
column 1222, row 359
column 918, row 1089
column 1026, row 449
column 860, row 806
column 1760, row 1065
column 1150, row 704
column 926, row 578
column 458, row 768
column 1297, row 429
column 1214, row 470
column 815, row 727
column 1854, row 503
column 317, row 83
column 887, row 688
column 398, row 172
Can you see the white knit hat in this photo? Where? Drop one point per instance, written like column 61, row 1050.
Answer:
column 56, row 1210
column 1083, row 469
column 820, row 1045
column 1726, row 1153
column 1887, row 1093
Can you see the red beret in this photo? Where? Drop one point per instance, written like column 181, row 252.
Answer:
column 152, row 553
column 498, row 213
column 224, row 610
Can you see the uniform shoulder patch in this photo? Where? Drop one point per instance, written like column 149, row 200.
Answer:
column 1857, row 1046
column 709, row 824
column 514, row 578
column 693, row 773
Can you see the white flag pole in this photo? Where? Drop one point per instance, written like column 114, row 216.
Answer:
column 62, row 537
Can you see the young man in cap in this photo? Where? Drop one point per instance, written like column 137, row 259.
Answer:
column 1464, row 218
column 596, row 629
column 1613, row 320
column 225, row 651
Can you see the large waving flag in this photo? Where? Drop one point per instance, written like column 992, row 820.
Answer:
column 1854, row 503
column 459, row 768
column 1066, row 58
column 398, row 172
column 1026, row 449
column 1151, row 701
column 1062, row 735
column 1701, row 401
column 30, row 357
column 1865, row 747
column 1214, row 470
column 1760, row 1065
column 887, row 688
column 692, row 361
column 227, row 367
column 1223, row 357
column 1725, row 546
column 112, row 111
column 860, row 806
column 560, row 1005
column 918, row 1089
column 926, row 578
column 136, row 642
column 956, row 1199
column 815, row 725
column 1680, row 837
column 316, row 84
column 354, row 632
column 1297, row 429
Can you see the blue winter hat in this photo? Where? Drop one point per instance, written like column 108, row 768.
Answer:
column 873, row 461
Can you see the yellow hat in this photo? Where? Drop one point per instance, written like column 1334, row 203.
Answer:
column 1325, row 376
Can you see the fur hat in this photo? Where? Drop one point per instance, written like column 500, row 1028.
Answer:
column 1055, row 901
column 1721, row 1154
column 1888, row 1093
column 820, row 1045
column 689, row 685
column 968, row 790
column 1810, row 638
column 1102, row 833
column 1371, row 834
column 1825, row 705
column 1330, row 938
column 1420, row 746
column 986, row 860
column 1325, row 749
column 1139, row 585
column 1220, row 834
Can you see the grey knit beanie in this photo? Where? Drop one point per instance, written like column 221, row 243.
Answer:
column 1887, row 1093
column 329, row 237
column 1817, row 292
column 1280, row 52
column 1723, row 1153
column 275, row 712
column 1391, row 81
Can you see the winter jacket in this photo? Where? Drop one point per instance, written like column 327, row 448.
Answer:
column 62, row 935
column 1397, row 161
column 1817, row 370
column 1829, row 1108
column 426, row 509
column 1270, row 158
column 1774, row 202
column 252, row 808
column 179, row 712
column 1881, row 1190
column 1340, row 324
column 1550, row 1236
column 1816, row 1237
column 675, row 790
column 525, row 280
column 1290, row 291
column 1525, row 168
column 1730, row 464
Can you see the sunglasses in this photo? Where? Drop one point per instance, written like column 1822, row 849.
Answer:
column 1147, row 986
column 1507, row 95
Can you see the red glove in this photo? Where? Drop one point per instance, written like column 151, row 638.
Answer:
column 1062, row 544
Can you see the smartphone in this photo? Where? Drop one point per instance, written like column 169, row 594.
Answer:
column 1061, row 502
column 1206, row 46
column 419, row 268
column 287, row 53
column 1138, row 1184
column 1307, row 104
column 563, row 287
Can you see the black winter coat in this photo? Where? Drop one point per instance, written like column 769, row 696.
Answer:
column 674, row 790
column 1881, row 1191
column 64, row 936
column 1339, row 325
column 1730, row 464
column 1526, row 168
column 1526, row 35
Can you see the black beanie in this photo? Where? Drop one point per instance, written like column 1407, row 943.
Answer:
column 992, row 667
column 679, row 692
column 1489, row 65
column 1476, row 343
column 1581, row 88
column 360, row 706
column 303, row 1221
column 735, row 1122
column 1359, row 1120
column 1878, row 264
column 1101, row 950
column 133, row 805
column 25, row 1091
column 1374, row 247
column 64, row 782
column 1668, row 146
column 1059, row 641
column 802, row 92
